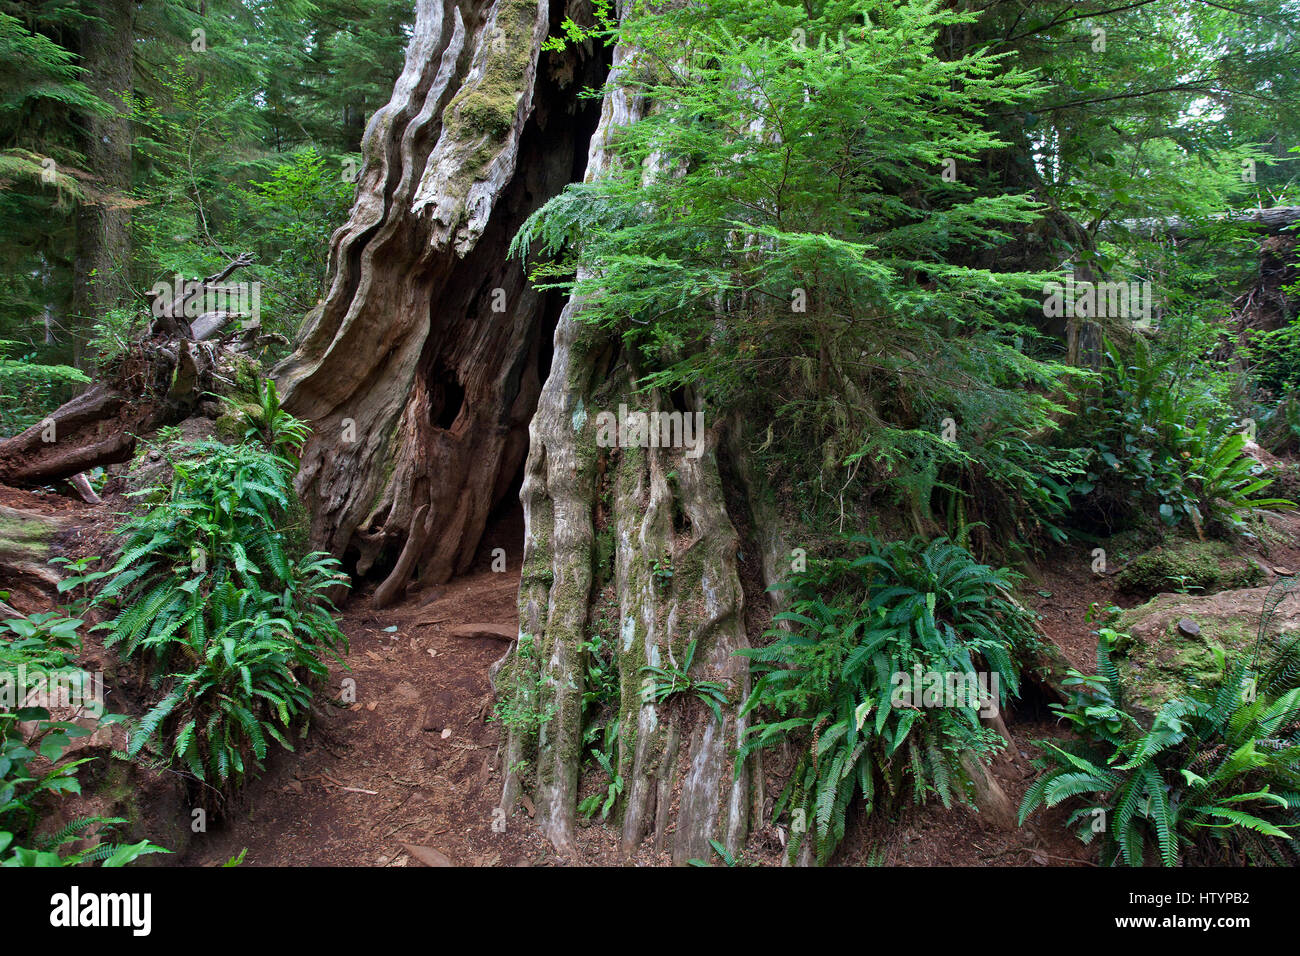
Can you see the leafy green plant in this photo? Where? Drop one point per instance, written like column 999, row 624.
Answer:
column 812, row 306
column 600, row 723
column 519, row 707
column 43, row 640
column 232, row 624
column 1215, row 779
column 80, row 579
column 34, row 769
column 853, row 624
column 52, row 850
column 239, row 694
column 1226, row 479
column 1159, row 437
column 668, row 682
column 603, row 801
column 728, row 859
column 268, row 422
column 661, row 569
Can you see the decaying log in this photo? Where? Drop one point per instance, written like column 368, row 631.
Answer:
column 158, row 381
column 169, row 315
column 1270, row 221
column 90, row 430
column 26, row 539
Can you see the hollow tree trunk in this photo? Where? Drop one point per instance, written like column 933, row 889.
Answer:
column 421, row 394
column 422, row 367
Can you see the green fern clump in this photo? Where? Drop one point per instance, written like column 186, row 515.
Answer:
column 55, row 851
column 854, row 624
column 268, row 422
column 1157, row 437
column 229, row 624
column 1214, row 780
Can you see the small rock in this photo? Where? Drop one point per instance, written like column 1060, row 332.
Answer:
column 1189, row 627
column 427, row 855
column 446, row 732
column 499, row 632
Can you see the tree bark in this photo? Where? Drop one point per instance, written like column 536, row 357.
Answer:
column 107, row 47
column 422, row 367
column 421, row 395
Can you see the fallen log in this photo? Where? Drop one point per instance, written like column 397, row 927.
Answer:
column 1270, row 221
column 157, row 381
column 93, row 429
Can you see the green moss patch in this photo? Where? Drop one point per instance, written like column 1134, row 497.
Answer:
column 1175, row 642
column 1186, row 566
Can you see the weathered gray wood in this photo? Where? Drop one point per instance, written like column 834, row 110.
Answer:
column 1271, row 220
column 422, row 367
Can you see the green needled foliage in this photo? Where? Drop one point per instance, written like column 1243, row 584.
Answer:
column 779, row 234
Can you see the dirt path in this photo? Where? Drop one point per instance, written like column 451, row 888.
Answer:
column 412, row 763
column 373, row 787
column 372, row 782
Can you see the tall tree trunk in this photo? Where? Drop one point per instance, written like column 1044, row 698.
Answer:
column 107, row 47
column 675, row 582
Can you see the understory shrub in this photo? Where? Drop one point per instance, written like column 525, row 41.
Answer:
column 1214, row 780
column 227, row 622
column 1158, row 439
column 38, row 653
column 859, row 628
